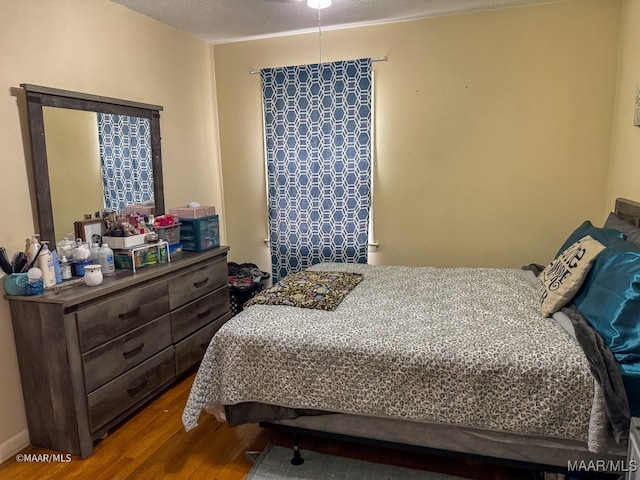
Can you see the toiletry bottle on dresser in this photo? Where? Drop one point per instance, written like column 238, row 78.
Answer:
column 95, row 248
column 35, row 286
column 65, row 268
column 105, row 258
column 45, row 263
column 34, row 246
column 56, row 266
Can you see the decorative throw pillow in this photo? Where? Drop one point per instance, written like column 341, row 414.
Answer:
column 560, row 280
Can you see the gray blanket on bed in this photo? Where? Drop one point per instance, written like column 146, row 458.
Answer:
column 604, row 368
column 458, row 346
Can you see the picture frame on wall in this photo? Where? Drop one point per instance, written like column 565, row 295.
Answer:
column 636, row 112
column 90, row 230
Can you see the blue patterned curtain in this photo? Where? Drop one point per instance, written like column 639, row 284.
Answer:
column 125, row 156
column 318, row 149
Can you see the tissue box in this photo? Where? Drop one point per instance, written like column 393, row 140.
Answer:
column 197, row 212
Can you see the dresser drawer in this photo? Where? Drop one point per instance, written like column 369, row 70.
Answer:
column 127, row 390
column 190, row 350
column 102, row 321
column 191, row 317
column 196, row 282
column 111, row 359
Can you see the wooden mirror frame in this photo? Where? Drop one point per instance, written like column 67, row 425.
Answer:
column 38, row 97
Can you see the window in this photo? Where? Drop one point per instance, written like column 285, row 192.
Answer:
column 319, row 155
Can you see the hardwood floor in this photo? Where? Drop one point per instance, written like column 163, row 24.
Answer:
column 152, row 444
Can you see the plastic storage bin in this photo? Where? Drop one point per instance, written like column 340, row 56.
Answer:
column 200, row 234
column 245, row 281
column 238, row 296
column 170, row 234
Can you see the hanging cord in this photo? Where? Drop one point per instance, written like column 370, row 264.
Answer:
column 320, row 34
column 319, row 104
column 318, row 126
column 319, row 68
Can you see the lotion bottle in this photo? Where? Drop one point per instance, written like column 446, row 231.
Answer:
column 45, row 264
column 34, row 246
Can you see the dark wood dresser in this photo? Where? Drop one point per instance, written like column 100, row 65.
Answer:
column 90, row 356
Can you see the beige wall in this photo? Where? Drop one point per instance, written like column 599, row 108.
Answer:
column 98, row 47
column 492, row 131
column 487, row 124
column 75, row 176
column 625, row 158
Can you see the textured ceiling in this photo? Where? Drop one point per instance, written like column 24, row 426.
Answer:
column 224, row 21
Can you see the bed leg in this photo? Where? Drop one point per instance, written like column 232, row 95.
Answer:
column 297, row 458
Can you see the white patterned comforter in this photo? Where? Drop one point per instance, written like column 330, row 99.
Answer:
column 462, row 346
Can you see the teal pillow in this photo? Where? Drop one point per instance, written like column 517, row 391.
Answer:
column 610, row 299
column 603, row 235
column 631, row 378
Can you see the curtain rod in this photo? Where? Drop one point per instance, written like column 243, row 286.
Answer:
column 381, row 59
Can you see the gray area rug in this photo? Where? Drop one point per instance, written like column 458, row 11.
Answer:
column 275, row 464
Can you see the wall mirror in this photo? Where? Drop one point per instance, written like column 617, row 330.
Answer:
column 69, row 172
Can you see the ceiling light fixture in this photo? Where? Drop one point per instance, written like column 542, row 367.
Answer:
column 319, row 3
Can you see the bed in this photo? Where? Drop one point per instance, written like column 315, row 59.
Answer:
column 460, row 360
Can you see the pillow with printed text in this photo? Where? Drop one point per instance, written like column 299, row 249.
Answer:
column 558, row 283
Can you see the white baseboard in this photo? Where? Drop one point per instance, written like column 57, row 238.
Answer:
column 12, row 446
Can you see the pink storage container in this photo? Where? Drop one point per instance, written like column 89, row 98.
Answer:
column 197, row 212
column 144, row 210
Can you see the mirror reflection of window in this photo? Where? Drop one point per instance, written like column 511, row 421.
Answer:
column 125, row 157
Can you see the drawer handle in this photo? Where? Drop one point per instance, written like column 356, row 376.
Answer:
column 135, row 388
column 133, row 352
column 127, row 315
column 204, row 314
column 201, row 283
